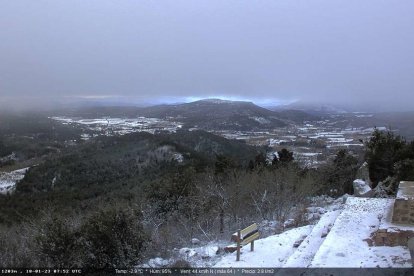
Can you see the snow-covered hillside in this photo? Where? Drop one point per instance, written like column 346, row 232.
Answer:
column 337, row 239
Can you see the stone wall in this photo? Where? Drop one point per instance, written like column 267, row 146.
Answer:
column 403, row 211
column 383, row 237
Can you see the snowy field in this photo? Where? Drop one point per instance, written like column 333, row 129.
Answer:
column 111, row 126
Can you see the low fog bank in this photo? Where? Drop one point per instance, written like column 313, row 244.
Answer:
column 375, row 105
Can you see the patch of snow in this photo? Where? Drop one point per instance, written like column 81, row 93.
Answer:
column 9, row 157
column 289, row 223
column 85, row 136
column 340, row 140
column 187, row 252
column 210, row 251
column 273, row 142
column 364, row 116
column 371, row 129
column 157, row 262
column 345, row 246
column 178, row 157
column 195, row 241
column 121, row 126
column 308, row 154
column 303, row 256
column 260, row 120
column 318, row 210
column 270, row 156
column 272, row 251
column 8, row 180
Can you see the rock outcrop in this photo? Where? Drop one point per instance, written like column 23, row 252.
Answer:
column 363, row 174
column 362, row 188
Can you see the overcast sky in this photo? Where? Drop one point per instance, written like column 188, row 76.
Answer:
column 331, row 51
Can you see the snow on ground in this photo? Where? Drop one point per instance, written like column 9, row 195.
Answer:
column 364, row 116
column 405, row 191
column 268, row 252
column 260, row 120
column 336, row 240
column 273, row 142
column 9, row 180
column 303, row 256
column 178, row 157
column 198, row 256
column 345, row 246
column 339, row 140
column 386, row 222
column 328, row 203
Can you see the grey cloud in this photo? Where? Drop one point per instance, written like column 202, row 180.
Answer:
column 331, row 51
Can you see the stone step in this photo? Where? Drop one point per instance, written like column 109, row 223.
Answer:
column 307, row 249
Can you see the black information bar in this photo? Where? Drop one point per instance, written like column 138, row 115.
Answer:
column 211, row 271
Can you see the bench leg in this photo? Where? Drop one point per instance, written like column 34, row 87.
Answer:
column 252, row 246
column 238, row 245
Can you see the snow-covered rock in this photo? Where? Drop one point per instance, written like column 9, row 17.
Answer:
column 178, row 157
column 363, row 173
column 187, row 252
column 270, row 227
column 313, row 216
column 344, row 198
column 195, row 241
column 289, row 223
column 325, row 231
column 386, row 188
column 299, row 241
column 157, row 262
column 317, row 210
column 362, row 189
column 210, row 251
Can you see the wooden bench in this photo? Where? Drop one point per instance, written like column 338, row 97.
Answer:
column 242, row 238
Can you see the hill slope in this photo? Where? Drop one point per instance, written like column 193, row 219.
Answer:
column 131, row 157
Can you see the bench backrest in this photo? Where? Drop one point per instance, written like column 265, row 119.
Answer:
column 247, row 235
column 250, row 238
column 243, row 237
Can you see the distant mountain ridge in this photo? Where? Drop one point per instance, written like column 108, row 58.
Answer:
column 215, row 114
